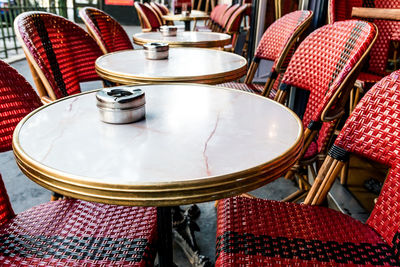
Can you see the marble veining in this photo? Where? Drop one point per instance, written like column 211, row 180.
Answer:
column 190, row 132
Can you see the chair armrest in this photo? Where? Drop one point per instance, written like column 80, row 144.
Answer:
column 376, row 13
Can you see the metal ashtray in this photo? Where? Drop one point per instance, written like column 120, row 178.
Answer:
column 121, row 104
column 168, row 30
column 156, row 50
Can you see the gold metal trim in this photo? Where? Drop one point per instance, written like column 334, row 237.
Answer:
column 157, row 194
column 201, row 44
column 207, row 79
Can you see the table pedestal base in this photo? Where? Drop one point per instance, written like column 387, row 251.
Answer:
column 173, row 221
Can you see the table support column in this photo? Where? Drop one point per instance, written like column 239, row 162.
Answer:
column 164, row 228
column 187, row 25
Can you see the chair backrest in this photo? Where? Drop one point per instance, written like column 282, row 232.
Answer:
column 159, row 12
column 159, row 17
column 326, row 61
column 280, row 37
column 388, row 30
column 149, row 20
column 62, row 53
column 164, row 10
column 107, row 32
column 220, row 13
column 227, row 15
column 17, row 99
column 233, row 24
column 373, row 131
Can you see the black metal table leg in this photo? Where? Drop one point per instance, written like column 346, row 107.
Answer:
column 164, row 227
column 187, row 25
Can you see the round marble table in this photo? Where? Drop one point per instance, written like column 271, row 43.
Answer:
column 197, row 65
column 184, row 39
column 197, row 143
column 194, row 16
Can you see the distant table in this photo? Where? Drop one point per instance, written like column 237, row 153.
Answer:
column 194, row 16
column 194, row 65
column 185, row 39
column 197, row 143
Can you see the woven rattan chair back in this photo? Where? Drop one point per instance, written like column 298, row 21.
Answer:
column 389, row 31
column 371, row 131
column 107, row 32
column 159, row 18
column 277, row 45
column 159, row 12
column 227, row 15
column 232, row 26
column 61, row 52
column 6, row 211
column 149, row 20
column 17, row 99
column 326, row 65
column 164, row 10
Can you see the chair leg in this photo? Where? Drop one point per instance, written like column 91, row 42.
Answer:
column 55, row 196
column 344, row 173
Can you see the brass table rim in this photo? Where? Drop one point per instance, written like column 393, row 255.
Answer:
column 158, row 193
column 124, row 78
column 214, row 43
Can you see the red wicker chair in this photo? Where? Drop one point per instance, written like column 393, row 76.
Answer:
column 160, row 12
column 65, row 232
column 276, row 45
column 107, row 32
column 389, row 32
column 164, row 10
column 232, row 26
column 371, row 131
column 256, row 232
column 148, row 18
column 325, row 66
column 61, row 54
column 223, row 20
column 213, row 16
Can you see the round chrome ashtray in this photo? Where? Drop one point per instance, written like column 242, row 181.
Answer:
column 156, row 50
column 121, row 104
column 168, row 30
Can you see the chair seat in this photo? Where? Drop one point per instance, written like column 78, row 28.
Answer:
column 252, row 87
column 256, row 232
column 79, row 233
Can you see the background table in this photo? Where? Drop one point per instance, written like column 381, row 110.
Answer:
column 197, row 143
column 194, row 16
column 196, row 65
column 184, row 39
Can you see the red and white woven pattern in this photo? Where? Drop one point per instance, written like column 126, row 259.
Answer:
column 324, row 59
column 256, row 232
column 388, row 30
column 6, row 211
column 373, row 129
column 17, row 99
column 234, row 22
column 227, row 15
column 64, row 52
column 149, row 17
column 107, row 29
column 79, row 233
column 385, row 218
column 275, row 39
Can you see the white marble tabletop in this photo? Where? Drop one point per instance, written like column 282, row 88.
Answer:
column 183, row 65
column 184, row 39
column 193, row 137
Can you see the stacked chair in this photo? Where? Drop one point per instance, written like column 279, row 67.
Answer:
column 376, row 69
column 107, row 32
column 226, row 19
column 149, row 20
column 261, row 232
column 66, row 232
column 60, row 53
column 161, row 10
column 277, row 45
